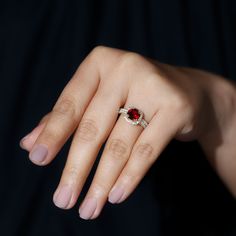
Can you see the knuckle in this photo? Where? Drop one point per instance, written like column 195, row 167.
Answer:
column 87, row 130
column 130, row 59
column 144, row 151
column 72, row 174
column 65, row 107
column 130, row 176
column 49, row 135
column 100, row 187
column 98, row 50
column 118, row 148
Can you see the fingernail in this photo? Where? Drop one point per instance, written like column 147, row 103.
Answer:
column 62, row 198
column 23, row 139
column 39, row 153
column 88, row 208
column 116, row 194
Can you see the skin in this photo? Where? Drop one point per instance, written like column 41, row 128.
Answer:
column 181, row 103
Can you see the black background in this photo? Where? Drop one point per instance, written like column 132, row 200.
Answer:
column 41, row 45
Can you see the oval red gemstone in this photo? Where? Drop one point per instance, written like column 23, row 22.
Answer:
column 133, row 114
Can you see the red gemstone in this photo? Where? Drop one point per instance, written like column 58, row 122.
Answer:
column 133, row 114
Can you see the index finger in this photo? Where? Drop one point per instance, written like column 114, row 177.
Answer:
column 70, row 106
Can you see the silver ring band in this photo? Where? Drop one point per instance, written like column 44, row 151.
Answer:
column 134, row 116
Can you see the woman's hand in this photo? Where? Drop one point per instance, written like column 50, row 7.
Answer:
column 177, row 102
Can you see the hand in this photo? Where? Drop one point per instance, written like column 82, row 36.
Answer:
column 176, row 102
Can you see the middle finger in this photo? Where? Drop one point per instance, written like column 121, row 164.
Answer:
column 91, row 133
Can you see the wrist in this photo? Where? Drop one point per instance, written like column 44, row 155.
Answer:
column 218, row 141
column 221, row 107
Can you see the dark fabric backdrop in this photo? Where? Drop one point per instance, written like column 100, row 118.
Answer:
column 41, row 45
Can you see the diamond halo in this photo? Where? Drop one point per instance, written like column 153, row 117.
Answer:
column 134, row 113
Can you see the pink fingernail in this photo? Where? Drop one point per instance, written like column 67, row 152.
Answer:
column 39, row 154
column 116, row 194
column 88, row 208
column 23, row 139
column 62, row 198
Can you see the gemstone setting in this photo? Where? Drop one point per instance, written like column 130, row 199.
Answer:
column 133, row 115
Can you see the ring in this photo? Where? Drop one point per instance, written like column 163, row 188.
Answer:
column 134, row 116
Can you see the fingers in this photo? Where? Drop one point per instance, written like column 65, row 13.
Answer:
column 87, row 103
column 115, row 155
column 65, row 115
column 68, row 110
column 146, row 150
column 94, row 128
column 128, row 154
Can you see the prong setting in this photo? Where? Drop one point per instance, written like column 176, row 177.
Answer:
column 136, row 114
